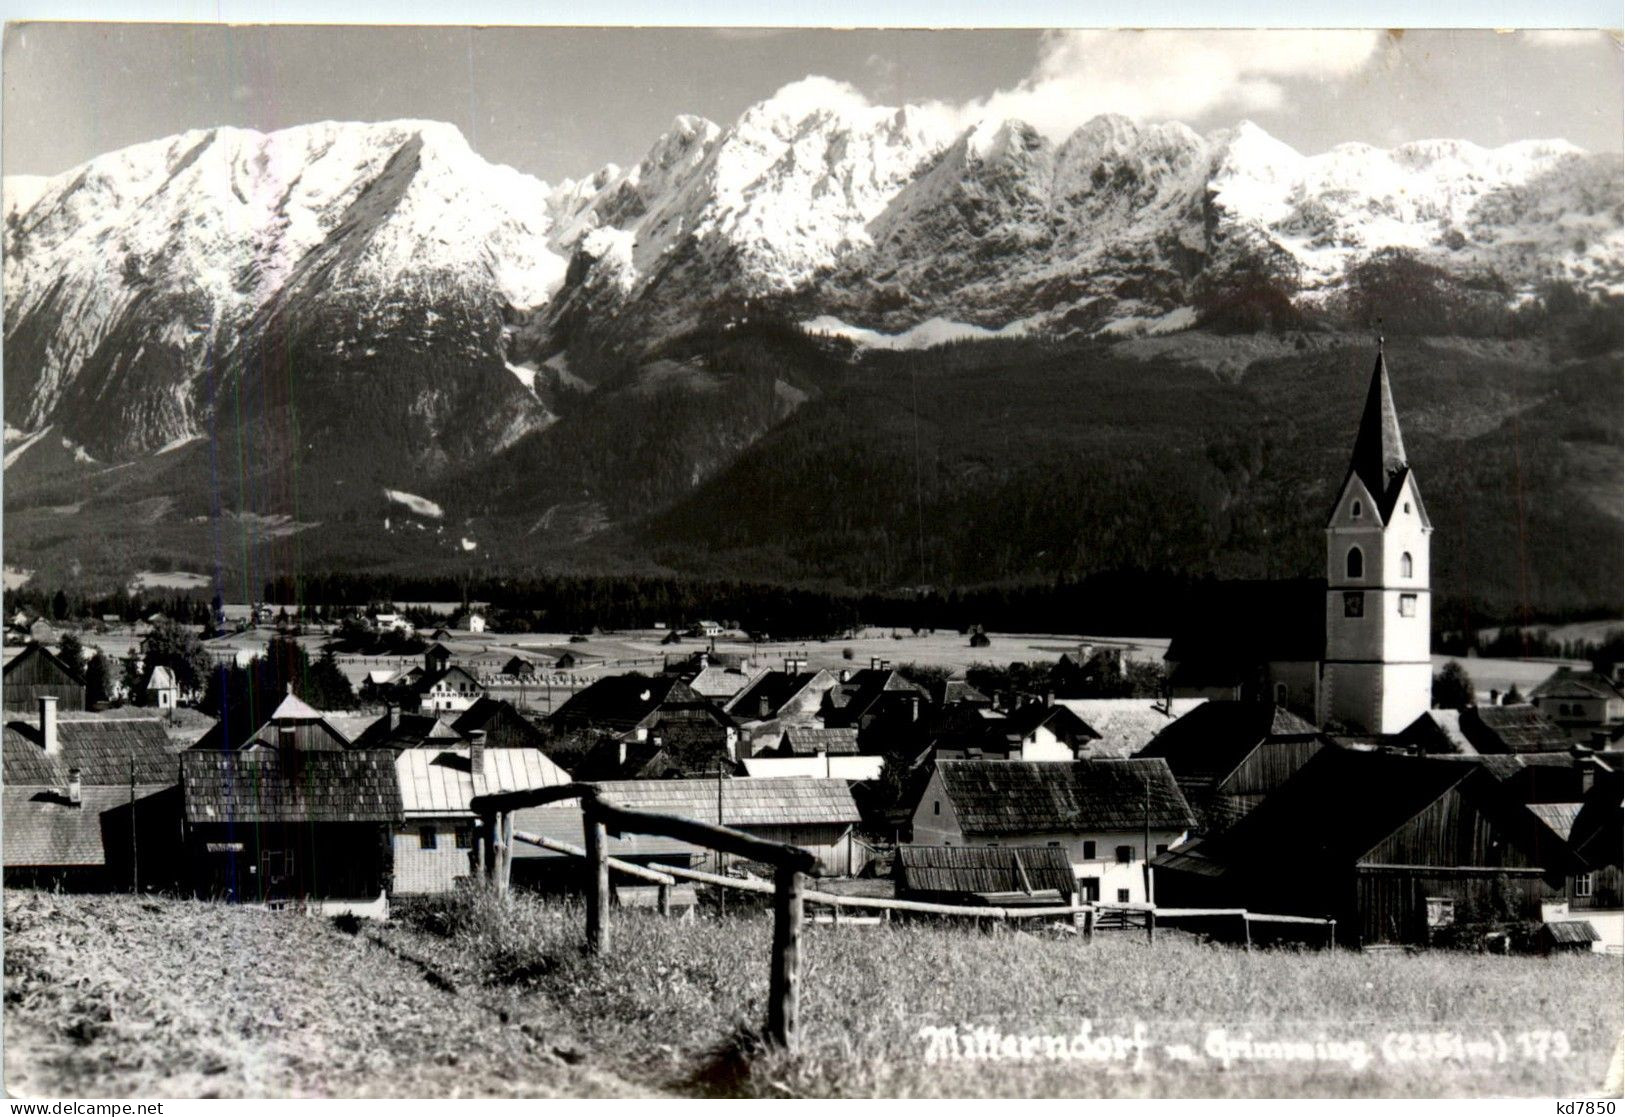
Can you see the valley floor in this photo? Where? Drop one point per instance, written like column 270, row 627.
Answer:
column 147, row 997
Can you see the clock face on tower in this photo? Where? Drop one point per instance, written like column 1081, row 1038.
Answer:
column 1354, row 604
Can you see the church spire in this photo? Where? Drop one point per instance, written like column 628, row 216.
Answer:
column 1379, row 451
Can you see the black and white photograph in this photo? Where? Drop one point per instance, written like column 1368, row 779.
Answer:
column 560, row 562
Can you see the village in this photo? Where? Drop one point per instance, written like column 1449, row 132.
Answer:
column 1279, row 772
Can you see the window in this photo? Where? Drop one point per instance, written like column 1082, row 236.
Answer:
column 1089, row 889
column 1162, row 847
column 1407, row 568
column 1407, row 508
column 1125, row 855
column 1582, row 884
column 1054, row 844
column 1441, row 911
column 428, row 838
column 1280, row 694
column 1355, row 510
column 1088, row 851
column 464, row 836
column 1122, row 895
column 936, row 806
column 1354, row 604
column 1407, row 605
column 1356, row 563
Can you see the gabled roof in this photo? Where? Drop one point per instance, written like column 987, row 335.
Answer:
column 40, row 826
column 1057, row 719
column 162, row 678
column 1568, row 683
column 443, row 781
column 777, row 687
column 1337, row 807
column 101, row 748
column 867, row 686
column 429, row 681
column 40, row 651
column 1437, row 732
column 623, row 701
column 802, row 740
column 266, row 785
column 292, row 708
column 719, row 683
column 1516, row 729
column 503, row 725
column 1213, row 740
column 792, row 801
column 1127, row 725
column 1559, row 818
column 972, row 869
column 947, row 692
column 1045, row 797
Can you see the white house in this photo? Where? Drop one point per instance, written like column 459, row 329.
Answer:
column 383, row 622
column 1107, row 815
column 163, row 690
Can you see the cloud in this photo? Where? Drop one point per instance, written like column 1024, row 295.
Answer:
column 1168, row 75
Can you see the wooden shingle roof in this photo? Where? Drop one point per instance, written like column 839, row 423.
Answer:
column 804, row 740
column 1514, row 729
column 1568, row 683
column 922, row 868
column 1127, row 725
column 441, row 782
column 265, row 785
column 792, row 801
column 1045, row 797
column 40, row 826
column 101, row 748
column 1213, row 740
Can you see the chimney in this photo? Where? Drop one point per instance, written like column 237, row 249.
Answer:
column 1495, row 697
column 476, row 750
column 1049, row 698
column 885, row 665
column 394, row 716
column 874, row 663
column 1587, row 767
column 47, row 725
column 845, row 675
column 763, row 706
column 75, row 787
column 914, row 707
column 704, row 659
column 620, row 752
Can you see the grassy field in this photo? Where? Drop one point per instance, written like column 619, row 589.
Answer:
column 126, row 996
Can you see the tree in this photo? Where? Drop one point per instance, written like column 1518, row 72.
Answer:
column 71, row 651
column 327, row 687
column 176, row 647
column 98, row 680
column 59, row 605
column 1453, row 688
column 1514, row 696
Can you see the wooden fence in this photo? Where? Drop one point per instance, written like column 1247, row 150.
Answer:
column 792, row 865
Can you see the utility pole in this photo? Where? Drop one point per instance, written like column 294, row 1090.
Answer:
column 722, row 864
column 135, row 860
column 1147, row 851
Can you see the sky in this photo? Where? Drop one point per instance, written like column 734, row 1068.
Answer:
column 561, row 102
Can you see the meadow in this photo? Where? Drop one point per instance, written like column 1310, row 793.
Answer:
column 467, row 996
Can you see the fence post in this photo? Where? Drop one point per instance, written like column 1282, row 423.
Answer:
column 596, row 842
column 507, row 851
column 783, row 994
column 1151, row 927
column 1089, row 926
column 664, row 893
column 1246, row 931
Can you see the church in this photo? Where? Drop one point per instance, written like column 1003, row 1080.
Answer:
column 1351, row 652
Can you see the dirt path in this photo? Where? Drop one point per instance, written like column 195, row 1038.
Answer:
column 118, row 996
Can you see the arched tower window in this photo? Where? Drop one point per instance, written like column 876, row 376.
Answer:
column 1405, row 565
column 1356, row 563
column 1355, row 510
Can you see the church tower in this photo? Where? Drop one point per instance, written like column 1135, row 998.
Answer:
column 1377, row 676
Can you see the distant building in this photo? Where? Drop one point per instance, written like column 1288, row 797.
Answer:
column 293, row 723
column 659, row 719
column 162, row 689
column 1586, row 705
column 1513, row 729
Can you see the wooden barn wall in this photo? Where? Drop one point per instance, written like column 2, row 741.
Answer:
column 332, row 861
column 1391, row 905
column 1605, row 891
column 1453, row 831
column 26, row 695
column 1269, row 767
column 832, row 843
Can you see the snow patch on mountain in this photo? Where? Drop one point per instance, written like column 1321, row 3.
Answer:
column 418, row 505
column 935, row 331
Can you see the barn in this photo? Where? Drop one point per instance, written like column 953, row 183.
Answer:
column 36, row 672
column 1396, row 848
column 1004, row 876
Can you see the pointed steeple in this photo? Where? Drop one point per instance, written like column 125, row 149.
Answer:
column 1379, row 451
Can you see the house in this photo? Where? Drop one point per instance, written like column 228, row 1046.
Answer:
column 1395, row 848
column 1103, row 813
column 1513, row 729
column 437, row 840
column 1585, row 704
column 1124, row 726
column 708, row 628
column 284, row 827
column 37, row 672
column 1228, row 756
column 90, row 803
column 659, row 712
column 816, row 814
column 1436, row 733
column 474, row 623
column 956, row 692
column 1000, row 876
column 162, row 689
column 1593, row 829
column 43, row 632
column 396, row 730
column 293, row 722
column 439, row 686
column 390, row 622
column 882, row 704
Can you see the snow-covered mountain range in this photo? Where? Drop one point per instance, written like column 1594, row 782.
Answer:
column 152, row 290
